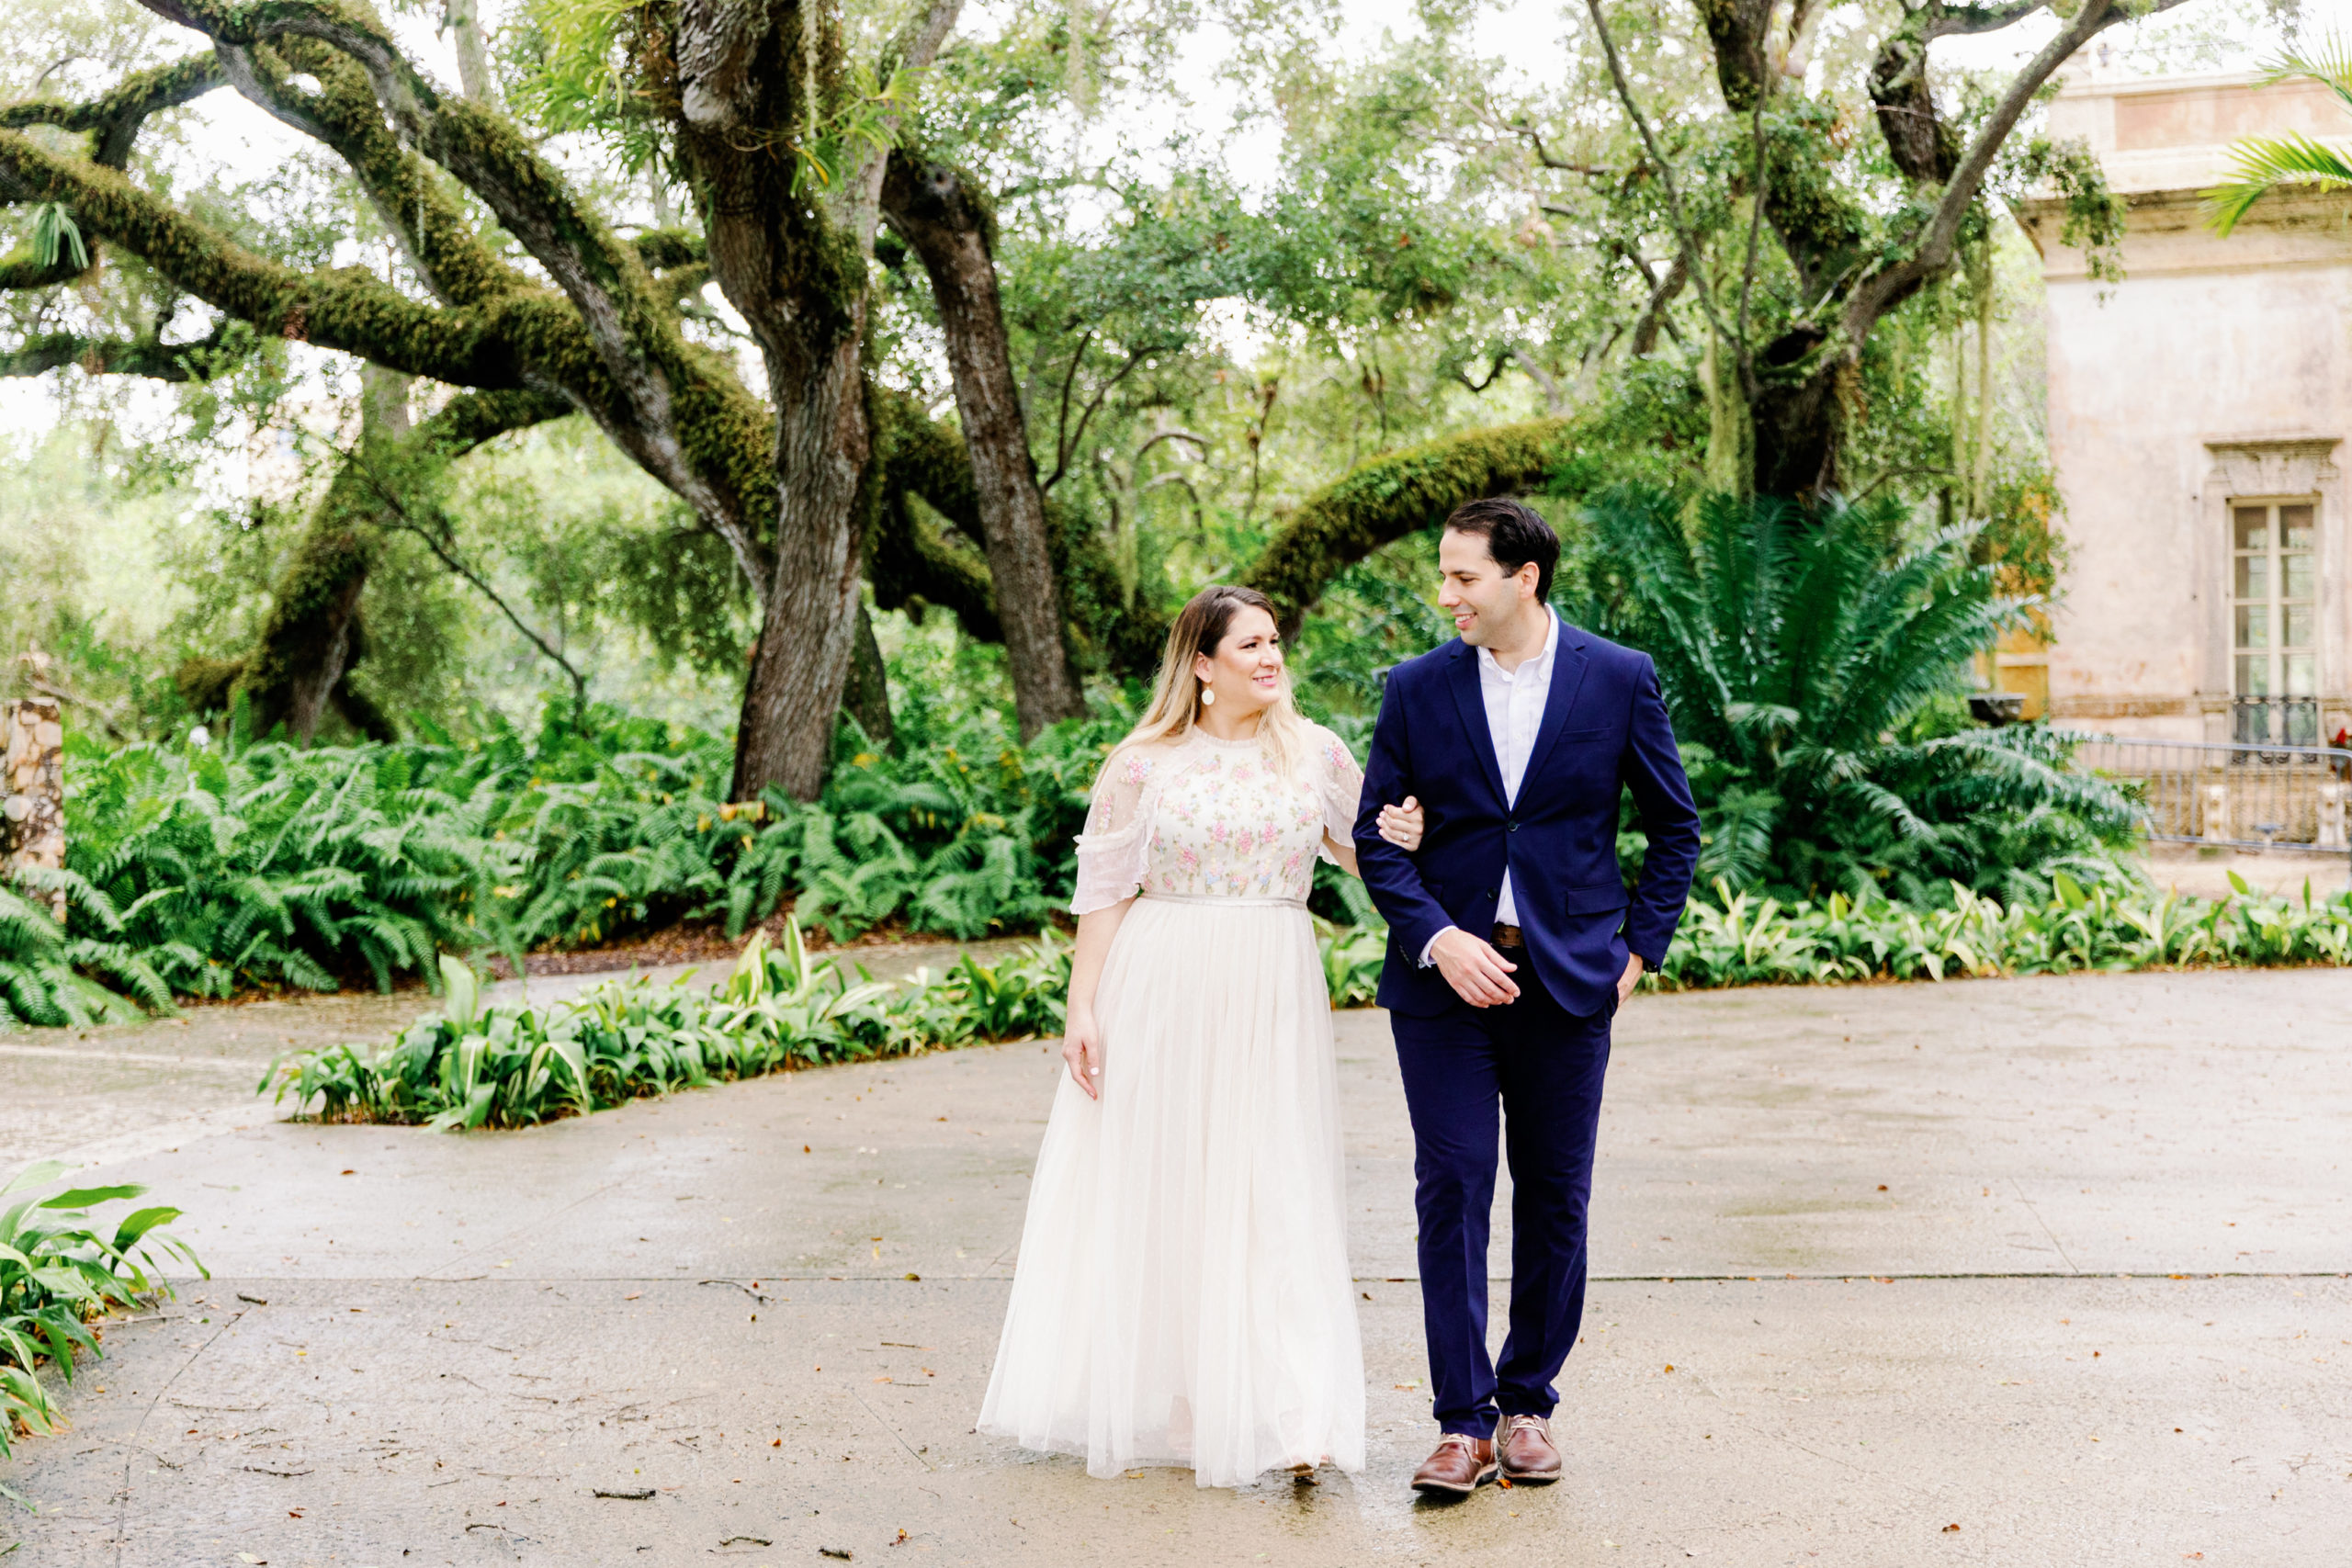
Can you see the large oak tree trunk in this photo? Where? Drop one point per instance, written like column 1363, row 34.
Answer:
column 790, row 249
column 799, row 671
column 348, row 539
column 935, row 208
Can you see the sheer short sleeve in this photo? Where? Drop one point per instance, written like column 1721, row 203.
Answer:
column 1339, row 787
column 1113, row 851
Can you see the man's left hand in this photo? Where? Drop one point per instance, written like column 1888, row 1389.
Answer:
column 1630, row 978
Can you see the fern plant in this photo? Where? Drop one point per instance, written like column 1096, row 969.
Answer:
column 202, row 873
column 1812, row 663
column 47, row 978
column 282, row 867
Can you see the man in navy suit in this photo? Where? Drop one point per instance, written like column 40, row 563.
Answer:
column 1512, row 943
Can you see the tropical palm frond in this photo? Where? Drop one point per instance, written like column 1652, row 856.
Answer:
column 2266, row 162
column 2260, row 164
column 2327, row 61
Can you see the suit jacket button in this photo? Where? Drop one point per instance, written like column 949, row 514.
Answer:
column 1510, row 827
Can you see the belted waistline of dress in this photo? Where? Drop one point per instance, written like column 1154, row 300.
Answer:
column 1229, row 900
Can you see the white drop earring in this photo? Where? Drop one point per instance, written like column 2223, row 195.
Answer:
column 1208, row 698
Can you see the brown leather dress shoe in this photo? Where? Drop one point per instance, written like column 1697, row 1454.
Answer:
column 1460, row 1466
column 1528, row 1457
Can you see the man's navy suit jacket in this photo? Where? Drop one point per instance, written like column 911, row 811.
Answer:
column 1604, row 728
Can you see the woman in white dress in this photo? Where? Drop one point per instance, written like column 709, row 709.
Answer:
column 1183, row 1295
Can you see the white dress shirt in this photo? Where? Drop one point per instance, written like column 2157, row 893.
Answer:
column 1514, row 702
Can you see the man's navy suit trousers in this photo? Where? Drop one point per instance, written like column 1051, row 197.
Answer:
column 1544, row 1069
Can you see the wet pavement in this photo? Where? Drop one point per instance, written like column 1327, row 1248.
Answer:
column 2057, row 1262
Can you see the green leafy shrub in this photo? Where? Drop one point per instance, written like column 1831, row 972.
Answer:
column 1812, row 663
column 46, row 976
column 1748, row 939
column 273, row 865
column 201, row 872
column 511, row 1065
column 59, row 1270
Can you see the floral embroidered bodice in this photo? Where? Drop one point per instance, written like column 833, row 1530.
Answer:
column 1197, row 817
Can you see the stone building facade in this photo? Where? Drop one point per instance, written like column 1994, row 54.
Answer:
column 2198, row 415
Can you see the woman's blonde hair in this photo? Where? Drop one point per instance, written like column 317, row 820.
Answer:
column 1175, row 707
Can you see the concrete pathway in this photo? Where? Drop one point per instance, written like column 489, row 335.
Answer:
column 2059, row 1263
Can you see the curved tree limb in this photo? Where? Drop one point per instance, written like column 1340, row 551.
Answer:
column 115, row 118
column 114, row 122
column 646, row 367
column 1384, row 499
column 343, row 116
column 663, row 249
column 907, row 564
column 929, row 459
column 148, row 356
column 1961, row 21
column 1881, row 288
column 341, row 308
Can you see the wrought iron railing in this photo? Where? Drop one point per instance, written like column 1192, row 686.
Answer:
column 2242, row 795
column 2292, row 721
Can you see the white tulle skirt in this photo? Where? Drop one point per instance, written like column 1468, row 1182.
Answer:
column 1183, row 1295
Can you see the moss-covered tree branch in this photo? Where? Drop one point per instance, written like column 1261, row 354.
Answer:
column 1384, row 499
column 929, row 459
column 146, row 357
column 114, row 119
column 656, row 393
column 342, row 308
column 341, row 114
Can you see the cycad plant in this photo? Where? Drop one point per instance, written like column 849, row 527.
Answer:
column 2263, row 164
column 1812, row 662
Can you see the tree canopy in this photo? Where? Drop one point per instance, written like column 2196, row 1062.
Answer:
column 896, row 309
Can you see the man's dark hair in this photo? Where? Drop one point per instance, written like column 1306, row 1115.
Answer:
column 1514, row 536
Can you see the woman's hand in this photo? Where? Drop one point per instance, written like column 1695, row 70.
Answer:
column 1401, row 825
column 1082, row 1049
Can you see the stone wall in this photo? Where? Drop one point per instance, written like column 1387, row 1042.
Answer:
column 33, row 807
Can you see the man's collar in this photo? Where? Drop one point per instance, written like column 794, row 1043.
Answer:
column 1551, row 646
